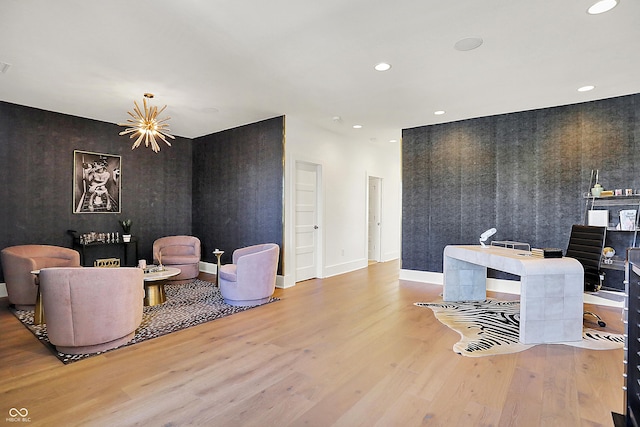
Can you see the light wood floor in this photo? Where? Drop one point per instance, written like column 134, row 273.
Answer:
column 351, row 350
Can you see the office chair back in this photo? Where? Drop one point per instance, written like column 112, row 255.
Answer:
column 586, row 244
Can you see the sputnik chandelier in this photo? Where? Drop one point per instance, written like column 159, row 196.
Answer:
column 147, row 125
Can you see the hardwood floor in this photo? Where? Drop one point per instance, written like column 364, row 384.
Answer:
column 350, row 350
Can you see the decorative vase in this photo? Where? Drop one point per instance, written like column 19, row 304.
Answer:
column 126, row 238
column 596, row 190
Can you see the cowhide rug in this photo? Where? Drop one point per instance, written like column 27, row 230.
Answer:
column 491, row 327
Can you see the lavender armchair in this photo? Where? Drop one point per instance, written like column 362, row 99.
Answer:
column 19, row 261
column 181, row 252
column 251, row 279
column 91, row 309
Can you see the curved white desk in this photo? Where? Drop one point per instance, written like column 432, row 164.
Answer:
column 551, row 295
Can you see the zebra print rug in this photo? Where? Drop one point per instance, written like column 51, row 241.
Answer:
column 491, row 327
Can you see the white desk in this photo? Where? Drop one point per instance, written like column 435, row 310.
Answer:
column 551, row 295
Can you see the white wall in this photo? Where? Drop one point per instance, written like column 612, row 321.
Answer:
column 346, row 165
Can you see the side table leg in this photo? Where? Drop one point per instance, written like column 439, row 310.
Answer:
column 218, row 253
column 38, row 315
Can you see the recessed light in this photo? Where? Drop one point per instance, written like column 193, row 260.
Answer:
column 586, row 88
column 439, row 112
column 468, row 43
column 393, row 140
column 383, row 66
column 602, row 6
column 357, row 126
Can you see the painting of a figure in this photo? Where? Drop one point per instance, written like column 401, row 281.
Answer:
column 96, row 182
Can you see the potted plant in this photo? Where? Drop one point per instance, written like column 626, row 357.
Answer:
column 126, row 230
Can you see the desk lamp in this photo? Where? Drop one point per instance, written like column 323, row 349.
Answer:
column 484, row 236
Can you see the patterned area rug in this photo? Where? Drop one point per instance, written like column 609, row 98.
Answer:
column 187, row 304
column 491, row 327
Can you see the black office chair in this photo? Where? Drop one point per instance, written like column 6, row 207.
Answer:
column 585, row 244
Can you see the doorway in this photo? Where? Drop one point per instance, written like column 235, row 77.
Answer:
column 374, row 215
column 307, row 221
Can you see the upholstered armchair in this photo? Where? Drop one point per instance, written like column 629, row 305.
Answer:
column 19, row 261
column 251, row 279
column 91, row 309
column 181, row 252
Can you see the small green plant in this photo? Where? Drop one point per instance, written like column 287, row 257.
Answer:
column 126, row 226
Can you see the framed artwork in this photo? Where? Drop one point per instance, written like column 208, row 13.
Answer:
column 96, row 182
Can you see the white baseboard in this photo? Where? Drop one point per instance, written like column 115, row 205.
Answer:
column 604, row 298
column 336, row 269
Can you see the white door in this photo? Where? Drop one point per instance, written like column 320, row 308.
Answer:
column 374, row 218
column 306, row 221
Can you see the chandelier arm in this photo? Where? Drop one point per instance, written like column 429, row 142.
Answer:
column 162, row 137
column 128, row 131
column 154, row 145
column 138, row 141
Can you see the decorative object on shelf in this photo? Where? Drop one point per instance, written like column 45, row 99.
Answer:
column 628, row 219
column 608, row 253
column 618, row 192
column 147, row 125
column 96, row 182
column 598, row 217
column 126, row 230
column 596, row 190
column 628, row 192
column 606, row 193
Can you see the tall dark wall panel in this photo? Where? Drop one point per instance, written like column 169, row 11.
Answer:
column 238, row 192
column 523, row 173
column 36, row 171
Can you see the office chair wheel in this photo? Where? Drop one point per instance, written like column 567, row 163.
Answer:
column 598, row 318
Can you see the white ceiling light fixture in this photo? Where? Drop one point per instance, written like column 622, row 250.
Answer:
column 602, row 6
column 586, row 88
column 357, row 126
column 147, row 125
column 439, row 112
column 468, row 43
column 382, row 66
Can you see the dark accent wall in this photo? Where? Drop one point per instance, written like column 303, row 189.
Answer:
column 238, row 188
column 524, row 173
column 36, row 175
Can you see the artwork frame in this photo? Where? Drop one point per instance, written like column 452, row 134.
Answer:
column 97, row 184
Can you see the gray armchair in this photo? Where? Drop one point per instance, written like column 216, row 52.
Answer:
column 251, row 279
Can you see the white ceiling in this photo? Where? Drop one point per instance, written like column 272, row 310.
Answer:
column 221, row 63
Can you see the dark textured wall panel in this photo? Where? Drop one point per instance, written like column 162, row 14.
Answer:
column 238, row 189
column 36, row 171
column 524, row 173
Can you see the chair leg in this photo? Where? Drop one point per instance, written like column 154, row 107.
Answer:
column 598, row 318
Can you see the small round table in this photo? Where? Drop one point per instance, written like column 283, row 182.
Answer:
column 154, row 285
column 218, row 253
